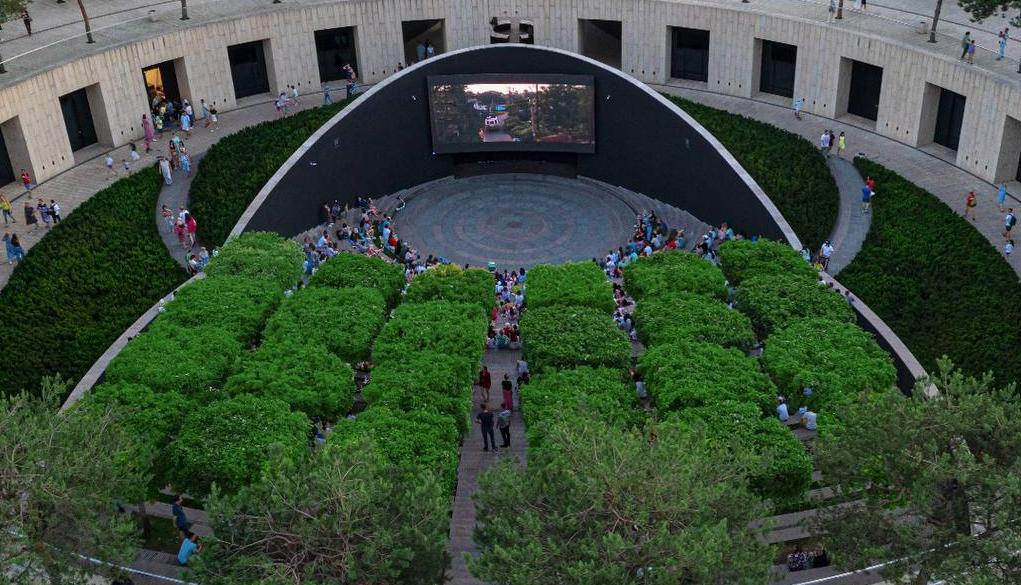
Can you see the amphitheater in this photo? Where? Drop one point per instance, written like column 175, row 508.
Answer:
column 371, row 182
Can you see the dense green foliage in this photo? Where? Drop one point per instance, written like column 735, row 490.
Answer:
column 937, row 281
column 234, row 304
column 84, row 283
column 790, row 169
column 301, row 373
column 345, row 321
column 560, row 337
column 951, row 461
column 229, row 442
column 260, row 255
column 424, row 381
column 580, row 284
column 598, row 504
column 744, row 258
column 168, row 358
column 689, row 317
column 418, row 438
column 450, row 282
column 581, row 392
column 59, row 475
column 347, row 270
column 837, row 360
column 686, row 375
column 236, row 168
column 357, row 519
column 669, row 272
column 786, row 470
column 455, row 329
column 773, row 301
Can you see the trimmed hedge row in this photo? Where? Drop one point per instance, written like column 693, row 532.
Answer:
column 84, row 283
column 687, row 375
column 235, row 304
column 668, row 272
column 937, row 281
column 260, row 256
column 777, row 300
column 677, row 317
column 347, row 269
column 805, row 192
column 742, row 259
column 234, row 169
column 839, row 361
column 578, row 284
column 449, row 282
column 561, row 337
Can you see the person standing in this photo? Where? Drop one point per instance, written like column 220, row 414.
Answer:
column 971, row 52
column 965, row 43
column 5, row 207
column 205, row 111
column 179, row 231
column 832, row 10
column 1009, row 221
column 485, row 420
column 19, row 251
column 1008, row 248
column 327, row 98
column 25, row 18
column 192, row 227
column 866, row 198
column 44, row 212
column 9, row 247
column 30, row 218
column 824, row 142
column 165, row 171
column 180, row 518
column 825, row 253
column 148, row 133
column 508, row 391
column 185, row 163
column 108, row 161
column 503, row 421
column 430, row 50
column 799, row 103
column 841, row 144
column 970, row 202
column 830, row 143
column 168, row 216
column 1002, row 44
column 54, row 211
column 420, row 51
column 26, row 180
column 186, row 123
column 485, row 383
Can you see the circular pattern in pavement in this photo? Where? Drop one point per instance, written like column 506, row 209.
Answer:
column 515, row 220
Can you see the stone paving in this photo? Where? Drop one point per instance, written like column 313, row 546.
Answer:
column 947, row 182
column 175, row 196
column 76, row 185
column 852, row 225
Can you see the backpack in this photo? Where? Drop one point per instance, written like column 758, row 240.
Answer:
column 1011, row 220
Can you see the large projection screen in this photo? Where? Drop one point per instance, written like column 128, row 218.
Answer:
column 492, row 113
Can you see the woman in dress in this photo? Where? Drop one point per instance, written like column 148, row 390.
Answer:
column 179, row 230
column 19, row 252
column 30, row 218
column 149, row 132
column 191, row 226
column 9, row 246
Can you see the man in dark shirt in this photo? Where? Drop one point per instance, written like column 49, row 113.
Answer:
column 485, row 420
column 180, row 518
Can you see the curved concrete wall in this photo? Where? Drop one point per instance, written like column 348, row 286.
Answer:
column 990, row 139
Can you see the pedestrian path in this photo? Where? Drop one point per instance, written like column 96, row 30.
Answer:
column 474, row 461
column 175, row 196
column 925, row 169
column 78, row 184
column 852, row 225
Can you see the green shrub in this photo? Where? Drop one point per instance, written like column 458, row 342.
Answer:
column 236, row 168
column 744, row 258
column 345, row 321
column 837, row 360
column 84, row 283
column 238, row 305
column 416, row 438
column 582, row 392
column 580, row 284
column 670, row 272
column 167, row 358
column 424, row 381
column 567, row 337
column 773, row 301
column 450, row 282
column 301, row 373
column 152, row 419
column 347, row 270
column 790, row 169
column 937, row 281
column 687, row 375
column 454, row 329
column 787, row 471
column 689, row 317
column 260, row 256
column 229, row 442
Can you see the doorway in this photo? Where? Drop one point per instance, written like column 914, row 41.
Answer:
column 248, row 69
column 779, row 62
column 335, row 47
column 863, row 93
column 161, row 81
column 416, row 33
column 81, row 130
column 689, row 55
column 601, row 40
column 949, row 118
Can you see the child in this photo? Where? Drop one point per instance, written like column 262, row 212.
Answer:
column 134, row 152
column 127, row 167
column 109, row 166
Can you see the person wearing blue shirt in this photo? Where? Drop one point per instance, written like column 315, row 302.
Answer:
column 188, row 549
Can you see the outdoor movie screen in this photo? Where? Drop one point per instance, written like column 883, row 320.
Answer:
column 481, row 113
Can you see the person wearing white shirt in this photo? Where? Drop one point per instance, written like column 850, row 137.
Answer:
column 809, row 420
column 781, row 411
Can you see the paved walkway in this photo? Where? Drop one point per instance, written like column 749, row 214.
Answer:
column 474, row 461
column 925, row 169
column 175, row 196
column 78, row 184
column 852, row 225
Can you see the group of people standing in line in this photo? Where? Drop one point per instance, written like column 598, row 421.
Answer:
column 184, row 226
